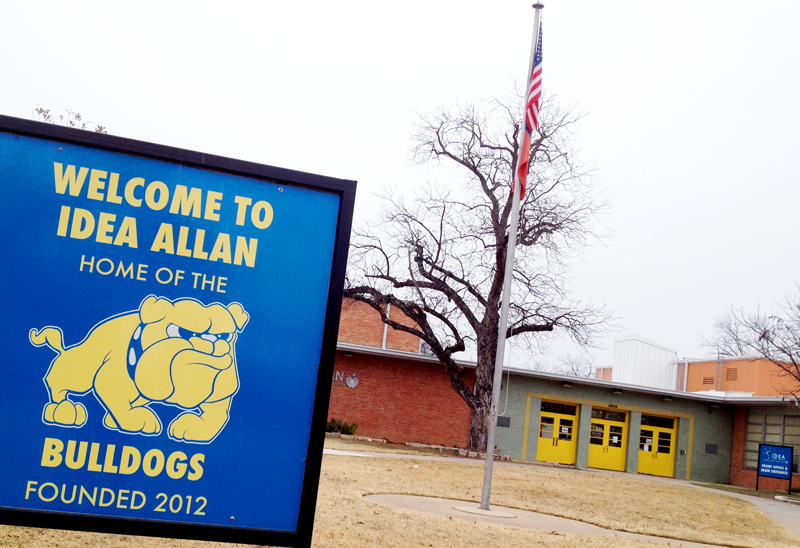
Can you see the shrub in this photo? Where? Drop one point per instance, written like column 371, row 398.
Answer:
column 343, row 427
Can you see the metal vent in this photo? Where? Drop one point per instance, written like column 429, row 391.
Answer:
column 731, row 374
column 708, row 380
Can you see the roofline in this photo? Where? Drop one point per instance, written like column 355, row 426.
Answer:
column 723, row 359
column 401, row 354
column 634, row 337
column 653, row 391
column 734, row 400
column 618, row 385
column 557, row 377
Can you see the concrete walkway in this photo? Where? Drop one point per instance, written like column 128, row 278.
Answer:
column 512, row 517
column 786, row 514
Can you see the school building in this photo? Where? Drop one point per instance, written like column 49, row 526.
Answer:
column 386, row 383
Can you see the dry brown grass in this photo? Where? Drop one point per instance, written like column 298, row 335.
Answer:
column 627, row 504
column 346, row 520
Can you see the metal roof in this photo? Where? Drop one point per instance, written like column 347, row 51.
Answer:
column 556, row 377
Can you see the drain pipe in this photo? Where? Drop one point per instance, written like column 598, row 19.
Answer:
column 386, row 325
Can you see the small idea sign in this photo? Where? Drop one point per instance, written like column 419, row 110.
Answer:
column 775, row 461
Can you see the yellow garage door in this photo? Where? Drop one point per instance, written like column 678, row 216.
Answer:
column 557, row 439
column 608, row 439
column 657, row 441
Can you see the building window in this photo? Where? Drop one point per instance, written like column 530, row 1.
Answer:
column 660, row 422
column 774, row 427
column 616, row 416
column 560, row 408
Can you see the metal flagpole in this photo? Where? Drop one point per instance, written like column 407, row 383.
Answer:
column 509, row 276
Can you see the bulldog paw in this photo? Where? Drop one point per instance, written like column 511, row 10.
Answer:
column 191, row 427
column 65, row 413
column 139, row 420
column 109, row 422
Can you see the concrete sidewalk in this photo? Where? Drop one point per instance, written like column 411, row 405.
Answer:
column 512, row 517
column 787, row 515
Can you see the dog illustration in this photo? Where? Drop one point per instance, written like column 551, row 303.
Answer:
column 174, row 352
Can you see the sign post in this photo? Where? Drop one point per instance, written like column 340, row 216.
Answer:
column 170, row 323
column 775, row 461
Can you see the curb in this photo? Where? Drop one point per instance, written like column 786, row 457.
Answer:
column 790, row 500
column 446, row 451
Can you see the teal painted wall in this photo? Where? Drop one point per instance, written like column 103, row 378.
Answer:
column 585, row 421
column 681, row 455
column 635, row 428
column 712, row 430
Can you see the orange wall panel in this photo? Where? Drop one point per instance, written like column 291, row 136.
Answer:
column 773, row 381
column 698, row 371
column 759, row 376
column 603, row 373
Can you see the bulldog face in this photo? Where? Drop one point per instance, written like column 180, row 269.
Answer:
column 180, row 347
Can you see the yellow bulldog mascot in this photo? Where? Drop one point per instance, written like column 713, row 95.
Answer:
column 175, row 352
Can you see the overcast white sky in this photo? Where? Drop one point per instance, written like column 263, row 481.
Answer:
column 692, row 115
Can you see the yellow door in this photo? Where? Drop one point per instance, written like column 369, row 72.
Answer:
column 657, row 446
column 607, row 440
column 557, row 441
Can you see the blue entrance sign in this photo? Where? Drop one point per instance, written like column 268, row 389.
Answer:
column 775, row 461
column 169, row 323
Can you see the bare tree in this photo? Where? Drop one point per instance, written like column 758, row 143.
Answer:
column 575, row 366
column 72, row 119
column 774, row 337
column 441, row 258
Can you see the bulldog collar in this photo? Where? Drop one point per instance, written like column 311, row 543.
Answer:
column 135, row 351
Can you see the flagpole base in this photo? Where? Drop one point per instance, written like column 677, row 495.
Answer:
column 481, row 512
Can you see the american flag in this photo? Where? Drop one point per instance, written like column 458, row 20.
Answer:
column 531, row 114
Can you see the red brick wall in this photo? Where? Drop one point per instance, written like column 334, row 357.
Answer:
column 400, row 340
column 361, row 324
column 399, row 400
column 747, row 478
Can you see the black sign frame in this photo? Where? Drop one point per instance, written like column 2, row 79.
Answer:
column 346, row 190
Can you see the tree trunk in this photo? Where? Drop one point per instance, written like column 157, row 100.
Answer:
column 481, row 411
column 478, row 429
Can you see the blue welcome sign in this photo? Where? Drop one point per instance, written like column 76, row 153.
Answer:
column 775, row 461
column 170, row 322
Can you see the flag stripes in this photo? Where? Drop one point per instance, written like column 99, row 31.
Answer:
column 531, row 114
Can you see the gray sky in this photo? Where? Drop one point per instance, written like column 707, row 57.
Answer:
column 690, row 115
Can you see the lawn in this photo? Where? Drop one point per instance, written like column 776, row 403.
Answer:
column 630, row 504
column 346, row 520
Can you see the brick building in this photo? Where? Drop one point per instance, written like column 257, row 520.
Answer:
column 383, row 383
column 762, row 415
column 391, row 390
